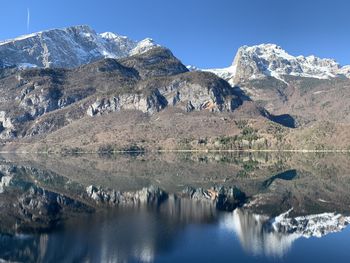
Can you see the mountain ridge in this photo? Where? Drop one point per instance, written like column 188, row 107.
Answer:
column 250, row 62
column 259, row 61
column 68, row 48
column 107, row 78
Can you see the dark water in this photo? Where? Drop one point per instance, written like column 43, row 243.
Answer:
column 47, row 217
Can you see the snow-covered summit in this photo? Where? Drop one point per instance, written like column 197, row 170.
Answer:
column 345, row 71
column 143, row 46
column 68, row 47
column 112, row 36
column 254, row 62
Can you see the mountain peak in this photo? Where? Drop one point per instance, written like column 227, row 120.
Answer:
column 80, row 28
column 76, row 27
column 265, row 46
column 143, row 46
column 265, row 51
column 111, row 36
column 260, row 61
column 68, row 47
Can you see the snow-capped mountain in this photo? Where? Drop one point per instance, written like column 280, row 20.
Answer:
column 68, row 47
column 271, row 60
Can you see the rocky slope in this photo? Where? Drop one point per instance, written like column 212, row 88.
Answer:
column 48, row 99
column 111, row 89
column 68, row 48
column 306, row 88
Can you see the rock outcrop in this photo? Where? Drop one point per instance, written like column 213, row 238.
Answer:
column 151, row 195
column 305, row 88
column 48, row 99
column 192, row 91
column 223, row 198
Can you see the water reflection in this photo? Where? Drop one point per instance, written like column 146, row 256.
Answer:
column 145, row 233
column 273, row 237
column 84, row 208
column 117, row 236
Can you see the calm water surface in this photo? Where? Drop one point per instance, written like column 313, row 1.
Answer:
column 63, row 224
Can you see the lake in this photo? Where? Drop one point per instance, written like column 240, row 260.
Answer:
column 210, row 207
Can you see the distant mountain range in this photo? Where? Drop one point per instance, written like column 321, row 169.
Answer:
column 74, row 46
column 60, row 78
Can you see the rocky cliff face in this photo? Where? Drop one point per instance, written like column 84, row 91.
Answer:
column 67, row 48
column 223, row 198
column 270, row 60
column 193, row 91
column 47, row 99
column 106, row 73
column 306, row 88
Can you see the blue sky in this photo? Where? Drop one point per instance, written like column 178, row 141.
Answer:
column 205, row 33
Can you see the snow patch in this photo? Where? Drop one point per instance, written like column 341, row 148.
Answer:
column 5, row 181
column 225, row 73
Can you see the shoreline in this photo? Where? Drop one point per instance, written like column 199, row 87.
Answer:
column 181, row 151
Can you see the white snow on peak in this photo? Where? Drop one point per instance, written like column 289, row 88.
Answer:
column 68, row 47
column 128, row 46
column 110, row 35
column 192, row 68
column 272, row 60
column 225, row 73
column 4, row 42
column 345, row 71
column 82, row 28
column 267, row 50
column 259, row 61
column 143, row 46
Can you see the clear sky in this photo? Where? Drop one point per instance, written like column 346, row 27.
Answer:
column 204, row 33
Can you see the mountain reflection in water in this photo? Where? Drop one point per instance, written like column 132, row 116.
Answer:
column 141, row 234
column 117, row 236
column 172, row 209
column 273, row 237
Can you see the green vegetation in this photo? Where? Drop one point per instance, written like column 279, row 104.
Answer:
column 268, row 83
column 248, row 167
column 249, row 134
column 241, row 123
column 245, row 140
column 111, row 149
column 277, row 130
